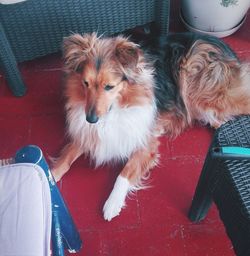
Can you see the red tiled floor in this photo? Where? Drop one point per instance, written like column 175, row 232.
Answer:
column 155, row 220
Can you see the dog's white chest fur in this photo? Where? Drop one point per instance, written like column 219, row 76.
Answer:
column 116, row 135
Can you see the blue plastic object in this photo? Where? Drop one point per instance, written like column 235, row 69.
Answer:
column 231, row 152
column 64, row 232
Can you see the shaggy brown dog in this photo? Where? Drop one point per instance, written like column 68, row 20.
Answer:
column 121, row 97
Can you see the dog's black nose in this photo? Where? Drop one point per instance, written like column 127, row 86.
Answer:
column 92, row 119
column 91, row 116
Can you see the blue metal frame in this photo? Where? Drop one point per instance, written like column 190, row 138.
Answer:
column 64, row 232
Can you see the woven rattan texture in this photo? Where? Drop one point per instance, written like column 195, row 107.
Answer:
column 236, row 133
column 232, row 191
column 36, row 27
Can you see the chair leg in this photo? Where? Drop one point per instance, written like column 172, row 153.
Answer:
column 202, row 198
column 68, row 231
column 162, row 12
column 9, row 65
column 56, row 236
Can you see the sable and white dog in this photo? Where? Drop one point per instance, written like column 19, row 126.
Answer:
column 121, row 98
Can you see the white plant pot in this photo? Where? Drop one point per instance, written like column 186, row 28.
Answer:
column 216, row 17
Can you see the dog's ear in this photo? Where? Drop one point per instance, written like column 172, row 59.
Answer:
column 75, row 49
column 127, row 53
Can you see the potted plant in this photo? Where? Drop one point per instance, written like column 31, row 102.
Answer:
column 217, row 17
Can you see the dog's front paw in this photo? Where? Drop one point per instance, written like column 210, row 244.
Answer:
column 112, row 207
column 116, row 200
column 56, row 175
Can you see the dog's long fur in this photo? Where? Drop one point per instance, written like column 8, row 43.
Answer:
column 121, row 97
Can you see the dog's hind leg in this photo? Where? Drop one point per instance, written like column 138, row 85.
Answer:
column 62, row 164
column 172, row 123
column 131, row 178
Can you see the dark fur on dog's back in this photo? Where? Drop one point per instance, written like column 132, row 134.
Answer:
column 193, row 74
column 168, row 52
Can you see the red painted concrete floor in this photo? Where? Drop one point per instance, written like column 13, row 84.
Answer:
column 155, row 221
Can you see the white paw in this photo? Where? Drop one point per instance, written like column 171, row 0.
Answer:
column 112, row 207
column 116, row 200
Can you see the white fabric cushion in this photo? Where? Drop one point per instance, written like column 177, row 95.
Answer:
column 25, row 211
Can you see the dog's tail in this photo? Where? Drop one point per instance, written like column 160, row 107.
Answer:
column 214, row 85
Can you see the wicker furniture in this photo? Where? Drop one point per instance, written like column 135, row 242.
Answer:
column 35, row 28
column 225, row 179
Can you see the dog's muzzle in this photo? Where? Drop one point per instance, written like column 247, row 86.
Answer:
column 91, row 116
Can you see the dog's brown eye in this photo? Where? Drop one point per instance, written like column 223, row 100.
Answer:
column 108, row 87
column 85, row 83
